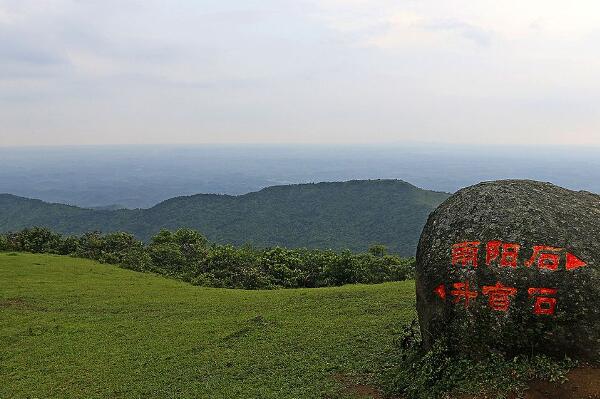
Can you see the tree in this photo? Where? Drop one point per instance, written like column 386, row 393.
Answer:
column 35, row 239
column 378, row 250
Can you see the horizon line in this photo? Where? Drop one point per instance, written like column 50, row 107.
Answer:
column 305, row 144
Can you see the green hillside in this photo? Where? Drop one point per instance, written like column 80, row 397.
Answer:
column 73, row 328
column 352, row 215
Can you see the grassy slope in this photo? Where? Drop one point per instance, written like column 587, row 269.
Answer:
column 74, row 328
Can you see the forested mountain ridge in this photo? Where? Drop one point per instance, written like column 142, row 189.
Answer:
column 339, row 215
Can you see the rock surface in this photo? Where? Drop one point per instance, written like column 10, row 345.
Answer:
column 512, row 266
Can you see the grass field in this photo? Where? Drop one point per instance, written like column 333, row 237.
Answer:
column 73, row 328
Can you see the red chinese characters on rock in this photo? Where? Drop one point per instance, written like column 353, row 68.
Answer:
column 543, row 304
column 506, row 254
column 465, row 253
column 461, row 292
column 546, row 257
column 499, row 296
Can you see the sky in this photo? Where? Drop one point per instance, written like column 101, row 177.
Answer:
column 314, row 71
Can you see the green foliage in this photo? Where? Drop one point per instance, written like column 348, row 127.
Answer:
column 187, row 255
column 377, row 250
column 345, row 215
column 177, row 253
column 414, row 373
column 35, row 239
column 4, row 246
column 68, row 245
column 117, row 248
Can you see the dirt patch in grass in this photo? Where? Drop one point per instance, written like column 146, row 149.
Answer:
column 583, row 383
column 360, row 390
column 18, row 303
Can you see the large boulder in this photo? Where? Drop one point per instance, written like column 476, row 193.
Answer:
column 512, row 266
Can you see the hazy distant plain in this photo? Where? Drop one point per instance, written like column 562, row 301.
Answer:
column 141, row 176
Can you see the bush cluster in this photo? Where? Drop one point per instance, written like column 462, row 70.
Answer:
column 187, row 255
column 411, row 372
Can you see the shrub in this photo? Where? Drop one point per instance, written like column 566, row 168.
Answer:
column 116, row 247
column 90, row 246
column 35, row 239
column 187, row 255
column 283, row 267
column 166, row 257
column 178, row 253
column 68, row 245
column 4, row 243
column 410, row 371
column 340, row 270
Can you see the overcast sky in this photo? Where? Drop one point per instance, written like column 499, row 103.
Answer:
column 320, row 71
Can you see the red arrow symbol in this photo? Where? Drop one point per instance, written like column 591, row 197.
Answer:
column 573, row 262
column 440, row 290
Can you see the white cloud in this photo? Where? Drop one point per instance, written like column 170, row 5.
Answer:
column 312, row 70
column 510, row 20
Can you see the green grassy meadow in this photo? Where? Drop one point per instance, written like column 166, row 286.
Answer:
column 74, row 328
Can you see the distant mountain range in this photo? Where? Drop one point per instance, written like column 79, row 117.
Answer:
column 143, row 176
column 353, row 215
